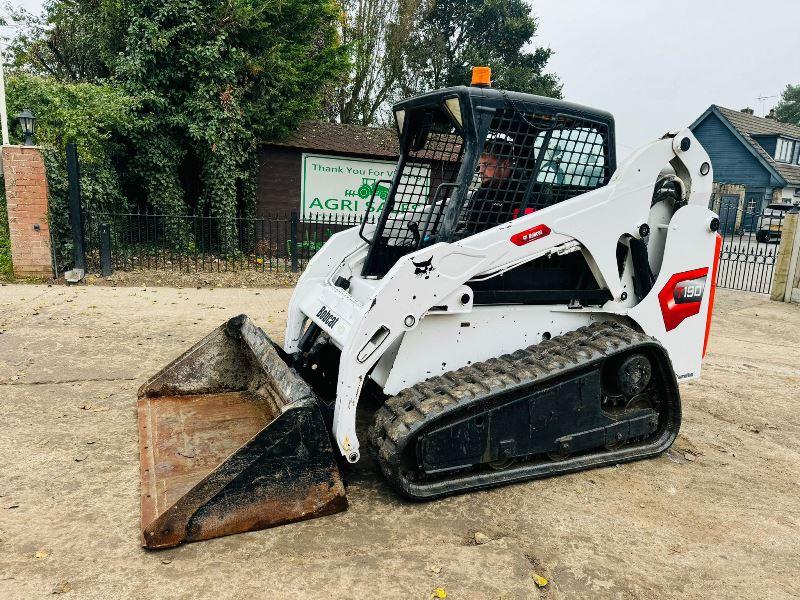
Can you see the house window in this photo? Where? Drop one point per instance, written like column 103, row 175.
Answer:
column 785, row 150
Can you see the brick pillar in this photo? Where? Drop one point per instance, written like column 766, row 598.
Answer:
column 787, row 258
column 26, row 195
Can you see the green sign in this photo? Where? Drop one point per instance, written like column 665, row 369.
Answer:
column 335, row 186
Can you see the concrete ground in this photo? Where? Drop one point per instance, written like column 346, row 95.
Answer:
column 718, row 516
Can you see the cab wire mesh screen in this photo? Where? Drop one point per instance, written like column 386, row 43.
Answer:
column 530, row 161
column 430, row 169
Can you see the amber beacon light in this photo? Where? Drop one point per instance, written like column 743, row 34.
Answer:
column 481, row 76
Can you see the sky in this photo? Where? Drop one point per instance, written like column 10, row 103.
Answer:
column 657, row 65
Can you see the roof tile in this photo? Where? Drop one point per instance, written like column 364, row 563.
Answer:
column 341, row 138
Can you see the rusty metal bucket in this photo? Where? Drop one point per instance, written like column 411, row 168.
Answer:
column 232, row 439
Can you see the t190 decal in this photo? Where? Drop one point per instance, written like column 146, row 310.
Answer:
column 681, row 297
column 689, row 291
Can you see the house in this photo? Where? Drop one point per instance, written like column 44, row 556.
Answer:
column 756, row 161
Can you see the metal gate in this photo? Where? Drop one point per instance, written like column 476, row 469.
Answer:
column 728, row 210
column 750, row 238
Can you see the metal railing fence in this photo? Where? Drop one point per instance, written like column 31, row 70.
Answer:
column 192, row 243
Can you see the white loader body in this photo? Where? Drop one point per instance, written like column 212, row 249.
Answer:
column 419, row 320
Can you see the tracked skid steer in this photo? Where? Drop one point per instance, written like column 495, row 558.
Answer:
column 519, row 305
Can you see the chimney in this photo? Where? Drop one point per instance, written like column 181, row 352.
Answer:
column 772, row 115
column 747, row 111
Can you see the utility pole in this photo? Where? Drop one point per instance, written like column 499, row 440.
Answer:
column 3, row 112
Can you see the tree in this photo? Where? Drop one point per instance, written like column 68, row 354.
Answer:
column 210, row 79
column 404, row 47
column 376, row 33
column 72, row 40
column 214, row 78
column 97, row 119
column 788, row 109
column 455, row 35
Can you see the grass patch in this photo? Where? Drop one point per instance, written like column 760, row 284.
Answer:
column 6, row 270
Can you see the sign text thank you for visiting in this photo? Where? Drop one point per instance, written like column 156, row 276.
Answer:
column 335, row 186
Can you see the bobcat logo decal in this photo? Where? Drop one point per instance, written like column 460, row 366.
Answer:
column 327, row 317
column 423, row 268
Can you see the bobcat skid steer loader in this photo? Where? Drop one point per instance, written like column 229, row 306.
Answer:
column 521, row 307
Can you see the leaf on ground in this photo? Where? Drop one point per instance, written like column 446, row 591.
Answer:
column 439, row 593
column 41, row 554
column 435, row 569
column 481, row 538
column 539, row 580
column 62, row 588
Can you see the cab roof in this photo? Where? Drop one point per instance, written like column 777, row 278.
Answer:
column 495, row 98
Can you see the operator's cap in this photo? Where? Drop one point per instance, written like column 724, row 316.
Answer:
column 500, row 144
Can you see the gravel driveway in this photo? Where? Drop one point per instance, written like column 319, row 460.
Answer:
column 718, row 516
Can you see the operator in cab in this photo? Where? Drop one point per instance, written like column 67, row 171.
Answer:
column 498, row 188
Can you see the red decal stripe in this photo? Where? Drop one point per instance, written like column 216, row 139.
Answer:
column 675, row 312
column 530, row 235
column 717, row 249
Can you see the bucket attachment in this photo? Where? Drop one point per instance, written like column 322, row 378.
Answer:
column 231, row 439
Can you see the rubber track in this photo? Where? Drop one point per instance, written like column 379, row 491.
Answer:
column 405, row 415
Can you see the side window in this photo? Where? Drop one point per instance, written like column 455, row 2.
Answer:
column 573, row 157
column 784, row 150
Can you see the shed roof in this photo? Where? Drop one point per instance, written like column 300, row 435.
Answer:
column 340, row 138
